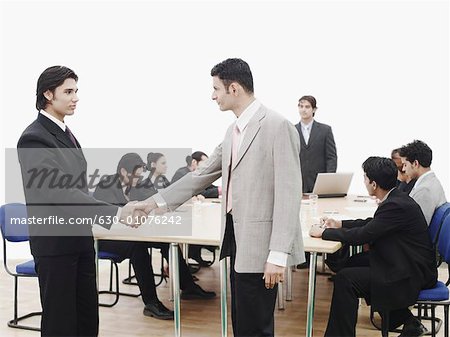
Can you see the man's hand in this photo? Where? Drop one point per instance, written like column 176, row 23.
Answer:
column 148, row 204
column 330, row 223
column 317, row 230
column 133, row 214
column 273, row 274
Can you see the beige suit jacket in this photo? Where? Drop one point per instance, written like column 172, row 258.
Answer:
column 267, row 190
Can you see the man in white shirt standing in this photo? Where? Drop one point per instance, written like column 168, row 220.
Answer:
column 261, row 183
column 317, row 146
column 428, row 191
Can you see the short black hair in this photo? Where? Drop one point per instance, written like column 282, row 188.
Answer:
column 197, row 155
column 50, row 79
column 234, row 70
column 130, row 162
column 381, row 170
column 417, row 150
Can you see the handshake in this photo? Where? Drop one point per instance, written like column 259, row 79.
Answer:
column 134, row 213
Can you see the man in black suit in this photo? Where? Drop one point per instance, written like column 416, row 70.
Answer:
column 55, row 185
column 401, row 256
column 317, row 147
column 115, row 189
column 118, row 189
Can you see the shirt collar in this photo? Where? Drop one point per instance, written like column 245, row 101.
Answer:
column 247, row 115
column 419, row 180
column 387, row 194
column 307, row 126
column 54, row 120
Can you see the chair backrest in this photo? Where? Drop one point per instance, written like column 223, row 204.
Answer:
column 444, row 240
column 436, row 221
column 14, row 222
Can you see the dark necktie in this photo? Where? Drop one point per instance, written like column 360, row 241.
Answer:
column 71, row 137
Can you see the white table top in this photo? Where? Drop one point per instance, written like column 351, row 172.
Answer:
column 206, row 223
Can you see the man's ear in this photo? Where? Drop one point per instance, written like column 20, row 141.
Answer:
column 234, row 88
column 123, row 172
column 48, row 95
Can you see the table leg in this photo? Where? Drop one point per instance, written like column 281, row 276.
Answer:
column 311, row 294
column 280, row 297
column 96, row 260
column 289, row 283
column 186, row 252
column 175, row 280
column 223, row 295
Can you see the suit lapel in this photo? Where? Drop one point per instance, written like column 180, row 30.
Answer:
column 252, row 130
column 313, row 133
column 60, row 135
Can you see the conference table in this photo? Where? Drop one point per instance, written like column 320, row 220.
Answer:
column 206, row 224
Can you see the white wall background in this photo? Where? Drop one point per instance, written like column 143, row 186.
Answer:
column 379, row 70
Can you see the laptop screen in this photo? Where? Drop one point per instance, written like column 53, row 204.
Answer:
column 332, row 184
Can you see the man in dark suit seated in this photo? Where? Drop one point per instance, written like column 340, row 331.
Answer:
column 121, row 188
column 404, row 182
column 401, row 256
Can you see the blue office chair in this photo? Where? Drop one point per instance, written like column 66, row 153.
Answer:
column 439, row 295
column 114, row 260
column 17, row 232
column 434, row 229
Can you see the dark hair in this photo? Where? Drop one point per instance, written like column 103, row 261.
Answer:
column 311, row 101
column 394, row 151
column 197, row 155
column 381, row 170
column 153, row 157
column 188, row 160
column 50, row 79
column 234, row 70
column 417, row 150
column 130, row 162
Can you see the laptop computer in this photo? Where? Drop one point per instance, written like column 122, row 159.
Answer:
column 332, row 185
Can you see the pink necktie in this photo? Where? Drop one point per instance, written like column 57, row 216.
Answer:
column 234, row 152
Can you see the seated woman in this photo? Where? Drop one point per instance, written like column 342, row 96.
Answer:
column 157, row 165
column 401, row 256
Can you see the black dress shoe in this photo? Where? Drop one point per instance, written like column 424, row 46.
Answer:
column 157, row 310
column 413, row 328
column 196, row 292
column 303, row 265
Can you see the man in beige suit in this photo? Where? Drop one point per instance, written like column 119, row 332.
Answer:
column 261, row 183
column 427, row 191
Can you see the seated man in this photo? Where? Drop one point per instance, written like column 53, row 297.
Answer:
column 117, row 189
column 198, row 158
column 401, row 257
column 427, row 191
column 404, row 182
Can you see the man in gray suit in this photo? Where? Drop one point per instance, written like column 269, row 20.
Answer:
column 428, row 191
column 261, row 183
column 317, row 150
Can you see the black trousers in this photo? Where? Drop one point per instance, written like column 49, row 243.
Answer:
column 186, row 280
column 68, row 290
column 350, row 284
column 139, row 257
column 252, row 305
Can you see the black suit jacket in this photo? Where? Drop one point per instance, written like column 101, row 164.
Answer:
column 318, row 156
column 55, row 185
column 402, row 260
